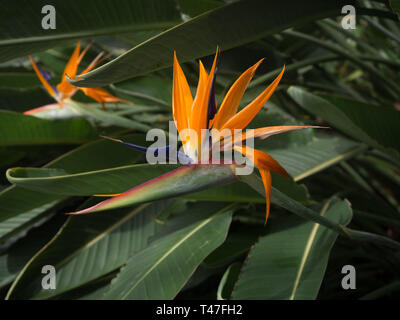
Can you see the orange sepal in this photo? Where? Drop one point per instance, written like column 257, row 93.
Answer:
column 101, row 96
column 262, row 160
column 232, row 99
column 182, row 99
column 267, row 181
column 199, row 111
column 244, row 116
column 66, row 89
column 42, row 79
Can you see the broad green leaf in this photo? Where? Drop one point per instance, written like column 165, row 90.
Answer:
column 13, row 260
column 118, row 180
column 319, row 154
column 184, row 213
column 105, row 181
column 280, row 199
column 149, row 89
column 382, row 123
column 221, row 27
column 183, row 180
column 91, row 246
column 290, row 264
column 149, row 274
column 77, row 20
column 368, row 123
column 20, row 129
column 114, row 180
column 18, row 205
column 107, row 118
column 194, row 8
column 235, row 192
column 24, row 220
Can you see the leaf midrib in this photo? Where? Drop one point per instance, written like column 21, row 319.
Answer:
column 74, row 175
column 87, row 34
column 159, row 261
column 307, row 250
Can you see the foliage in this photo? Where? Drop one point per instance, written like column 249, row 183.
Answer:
column 198, row 232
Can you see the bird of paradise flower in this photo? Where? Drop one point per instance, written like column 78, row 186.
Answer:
column 201, row 113
column 64, row 91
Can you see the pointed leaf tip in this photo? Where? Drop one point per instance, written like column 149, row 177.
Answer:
column 183, row 180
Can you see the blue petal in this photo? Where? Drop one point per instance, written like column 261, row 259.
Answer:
column 179, row 154
column 47, row 76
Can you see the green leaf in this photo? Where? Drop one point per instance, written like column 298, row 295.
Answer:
column 18, row 205
column 13, row 260
column 368, row 123
column 290, row 264
column 77, row 20
column 34, row 203
column 183, row 180
column 194, row 8
column 118, row 180
column 234, row 192
column 91, row 246
column 107, row 118
column 13, row 225
column 317, row 155
column 149, row 273
column 20, row 129
column 280, row 199
column 381, row 124
column 221, row 27
column 149, row 89
column 105, row 181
